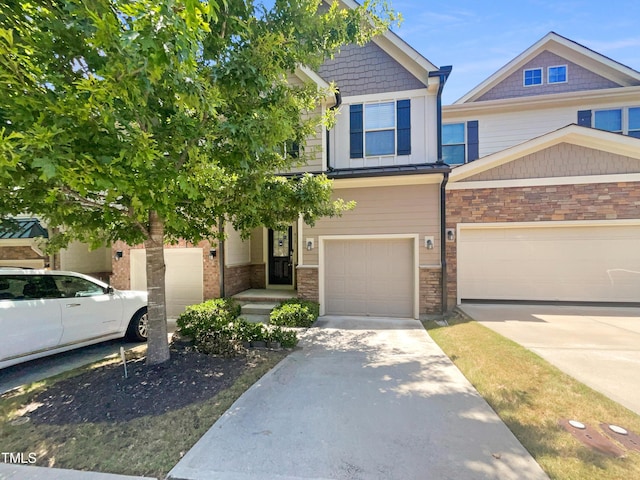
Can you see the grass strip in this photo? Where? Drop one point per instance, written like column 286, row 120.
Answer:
column 531, row 396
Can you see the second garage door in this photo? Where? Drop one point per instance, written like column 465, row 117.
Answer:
column 183, row 278
column 369, row 277
column 584, row 263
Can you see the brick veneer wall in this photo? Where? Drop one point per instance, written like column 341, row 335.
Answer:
column 121, row 274
column 308, row 283
column 607, row 201
column 258, row 276
column 237, row 279
column 430, row 291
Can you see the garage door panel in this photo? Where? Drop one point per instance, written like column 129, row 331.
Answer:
column 564, row 263
column 369, row 277
column 183, row 277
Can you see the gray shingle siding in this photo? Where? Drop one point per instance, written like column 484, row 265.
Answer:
column 578, row 79
column 367, row 70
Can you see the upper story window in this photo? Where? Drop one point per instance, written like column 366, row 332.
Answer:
column 532, row 76
column 634, row 122
column 610, row 120
column 380, row 129
column 618, row 120
column 453, row 143
column 557, row 74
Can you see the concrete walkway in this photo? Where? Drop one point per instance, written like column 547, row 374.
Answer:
column 24, row 472
column 364, row 398
column 598, row 346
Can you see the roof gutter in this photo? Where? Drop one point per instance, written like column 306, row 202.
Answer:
column 443, row 73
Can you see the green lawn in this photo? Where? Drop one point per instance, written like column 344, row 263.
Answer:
column 531, row 396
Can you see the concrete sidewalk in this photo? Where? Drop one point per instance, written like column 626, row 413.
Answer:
column 364, row 398
column 28, row 472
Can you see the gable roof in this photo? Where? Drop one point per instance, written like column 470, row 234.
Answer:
column 401, row 51
column 573, row 134
column 568, row 49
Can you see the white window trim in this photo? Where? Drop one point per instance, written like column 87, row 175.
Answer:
column 524, row 74
column 566, row 74
column 365, row 131
column 464, row 143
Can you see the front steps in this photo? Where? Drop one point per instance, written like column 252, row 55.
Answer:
column 257, row 303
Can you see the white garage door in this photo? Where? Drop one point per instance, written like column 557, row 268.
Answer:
column 183, row 278
column 569, row 263
column 369, row 277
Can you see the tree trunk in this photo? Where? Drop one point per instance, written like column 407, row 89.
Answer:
column 157, row 343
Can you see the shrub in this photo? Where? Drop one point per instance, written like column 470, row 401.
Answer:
column 249, row 332
column 287, row 338
column 207, row 316
column 295, row 313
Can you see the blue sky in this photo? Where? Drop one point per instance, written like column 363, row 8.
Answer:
column 479, row 37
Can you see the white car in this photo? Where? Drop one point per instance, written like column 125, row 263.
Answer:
column 45, row 312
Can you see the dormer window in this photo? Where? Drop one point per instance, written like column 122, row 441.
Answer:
column 532, row 77
column 557, row 74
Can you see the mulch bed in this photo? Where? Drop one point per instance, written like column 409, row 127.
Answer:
column 104, row 395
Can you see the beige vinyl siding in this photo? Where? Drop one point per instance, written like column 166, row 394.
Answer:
column 313, row 148
column 78, row 258
column 236, row 250
column 412, row 209
column 257, row 248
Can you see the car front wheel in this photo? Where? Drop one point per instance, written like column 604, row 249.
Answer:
column 139, row 326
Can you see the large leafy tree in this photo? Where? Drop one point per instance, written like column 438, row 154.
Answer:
column 151, row 120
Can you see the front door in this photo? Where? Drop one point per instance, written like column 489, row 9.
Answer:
column 281, row 257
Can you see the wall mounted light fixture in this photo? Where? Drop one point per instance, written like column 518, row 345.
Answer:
column 118, row 255
column 309, row 244
column 451, row 235
column 429, row 242
column 212, row 254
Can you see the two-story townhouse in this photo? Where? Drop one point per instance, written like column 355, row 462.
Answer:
column 383, row 257
column 544, row 204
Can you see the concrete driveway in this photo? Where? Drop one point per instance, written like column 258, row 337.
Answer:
column 599, row 346
column 363, row 398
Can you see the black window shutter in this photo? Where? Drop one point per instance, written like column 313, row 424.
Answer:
column 473, row 143
column 356, row 131
column 584, row 118
column 404, row 127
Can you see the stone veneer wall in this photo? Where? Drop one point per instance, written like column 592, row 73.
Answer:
column 431, row 291
column 308, row 283
column 607, row 201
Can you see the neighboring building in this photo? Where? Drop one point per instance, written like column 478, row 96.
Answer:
column 23, row 242
column 554, row 83
column 382, row 258
column 545, row 205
